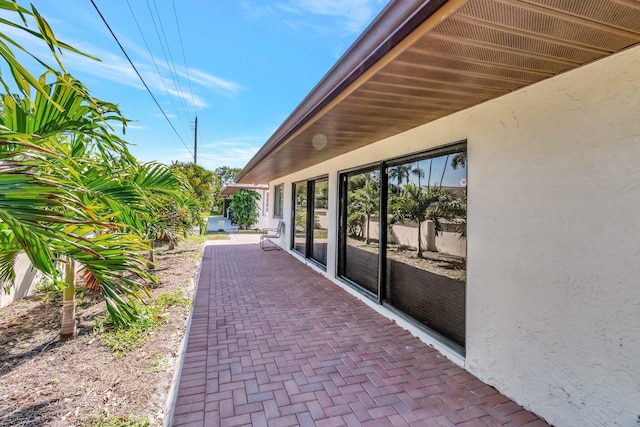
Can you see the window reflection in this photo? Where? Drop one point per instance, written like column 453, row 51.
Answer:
column 426, row 241
column 300, row 216
column 320, row 230
column 361, row 224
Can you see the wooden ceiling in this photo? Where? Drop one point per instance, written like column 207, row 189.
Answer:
column 464, row 53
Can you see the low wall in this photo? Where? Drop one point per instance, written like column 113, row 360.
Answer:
column 26, row 278
column 447, row 242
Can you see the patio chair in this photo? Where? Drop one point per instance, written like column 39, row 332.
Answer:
column 271, row 233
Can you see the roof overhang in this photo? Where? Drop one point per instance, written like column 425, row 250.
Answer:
column 231, row 189
column 422, row 60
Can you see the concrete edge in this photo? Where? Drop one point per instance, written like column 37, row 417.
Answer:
column 172, row 396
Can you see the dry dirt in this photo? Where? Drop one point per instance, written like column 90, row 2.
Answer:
column 46, row 382
column 446, row 265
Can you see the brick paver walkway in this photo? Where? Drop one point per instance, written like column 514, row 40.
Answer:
column 273, row 343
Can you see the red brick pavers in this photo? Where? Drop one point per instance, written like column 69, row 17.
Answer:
column 273, row 343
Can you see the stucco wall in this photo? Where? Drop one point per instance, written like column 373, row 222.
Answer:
column 264, row 215
column 553, row 296
column 553, row 301
column 445, row 242
column 26, row 278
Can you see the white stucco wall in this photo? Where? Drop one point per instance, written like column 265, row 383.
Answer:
column 26, row 278
column 553, row 311
column 553, row 300
column 264, row 213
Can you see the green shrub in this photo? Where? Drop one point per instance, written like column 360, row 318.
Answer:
column 122, row 339
column 117, row 421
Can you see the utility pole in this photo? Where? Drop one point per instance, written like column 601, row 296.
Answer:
column 195, row 143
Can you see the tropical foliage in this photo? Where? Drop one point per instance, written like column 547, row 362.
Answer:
column 244, row 206
column 414, row 204
column 71, row 194
column 409, row 201
column 363, row 203
column 226, row 175
column 200, row 191
column 222, row 176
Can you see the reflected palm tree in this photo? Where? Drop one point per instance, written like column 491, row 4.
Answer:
column 363, row 205
column 444, row 169
column 459, row 160
column 417, row 171
column 417, row 205
column 401, row 174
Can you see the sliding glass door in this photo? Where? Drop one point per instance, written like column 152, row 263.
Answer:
column 402, row 236
column 318, row 246
column 310, row 203
column 360, row 228
column 426, row 241
column 299, row 234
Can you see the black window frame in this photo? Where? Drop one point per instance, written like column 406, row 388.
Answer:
column 384, row 166
column 310, row 209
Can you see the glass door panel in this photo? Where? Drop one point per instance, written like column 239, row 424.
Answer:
column 426, row 242
column 360, row 228
column 300, row 217
column 318, row 247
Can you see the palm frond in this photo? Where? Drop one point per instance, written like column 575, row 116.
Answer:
column 7, row 267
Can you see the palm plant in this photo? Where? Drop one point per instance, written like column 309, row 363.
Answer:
column 459, row 160
column 67, row 186
column 48, row 210
column 418, row 172
column 413, row 204
column 363, row 204
column 22, row 78
column 401, row 174
column 444, row 169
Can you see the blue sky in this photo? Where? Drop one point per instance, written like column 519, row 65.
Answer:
column 248, row 65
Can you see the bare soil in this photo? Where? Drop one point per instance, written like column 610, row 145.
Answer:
column 46, row 382
column 446, row 265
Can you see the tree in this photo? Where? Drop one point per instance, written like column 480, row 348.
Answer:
column 401, row 174
column 244, row 206
column 226, row 174
column 363, row 203
column 417, row 171
column 459, row 160
column 222, row 176
column 61, row 200
column 199, row 181
column 414, row 204
column 200, row 186
column 22, row 78
column 444, row 169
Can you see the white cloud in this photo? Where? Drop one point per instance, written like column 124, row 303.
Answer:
column 113, row 67
column 234, row 152
column 213, row 83
column 232, row 158
column 352, row 15
column 356, row 14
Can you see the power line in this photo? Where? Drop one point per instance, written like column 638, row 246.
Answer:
column 172, row 65
column 140, row 76
column 184, row 57
column 153, row 59
column 164, row 51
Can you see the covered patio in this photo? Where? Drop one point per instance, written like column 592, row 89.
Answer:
column 274, row 343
